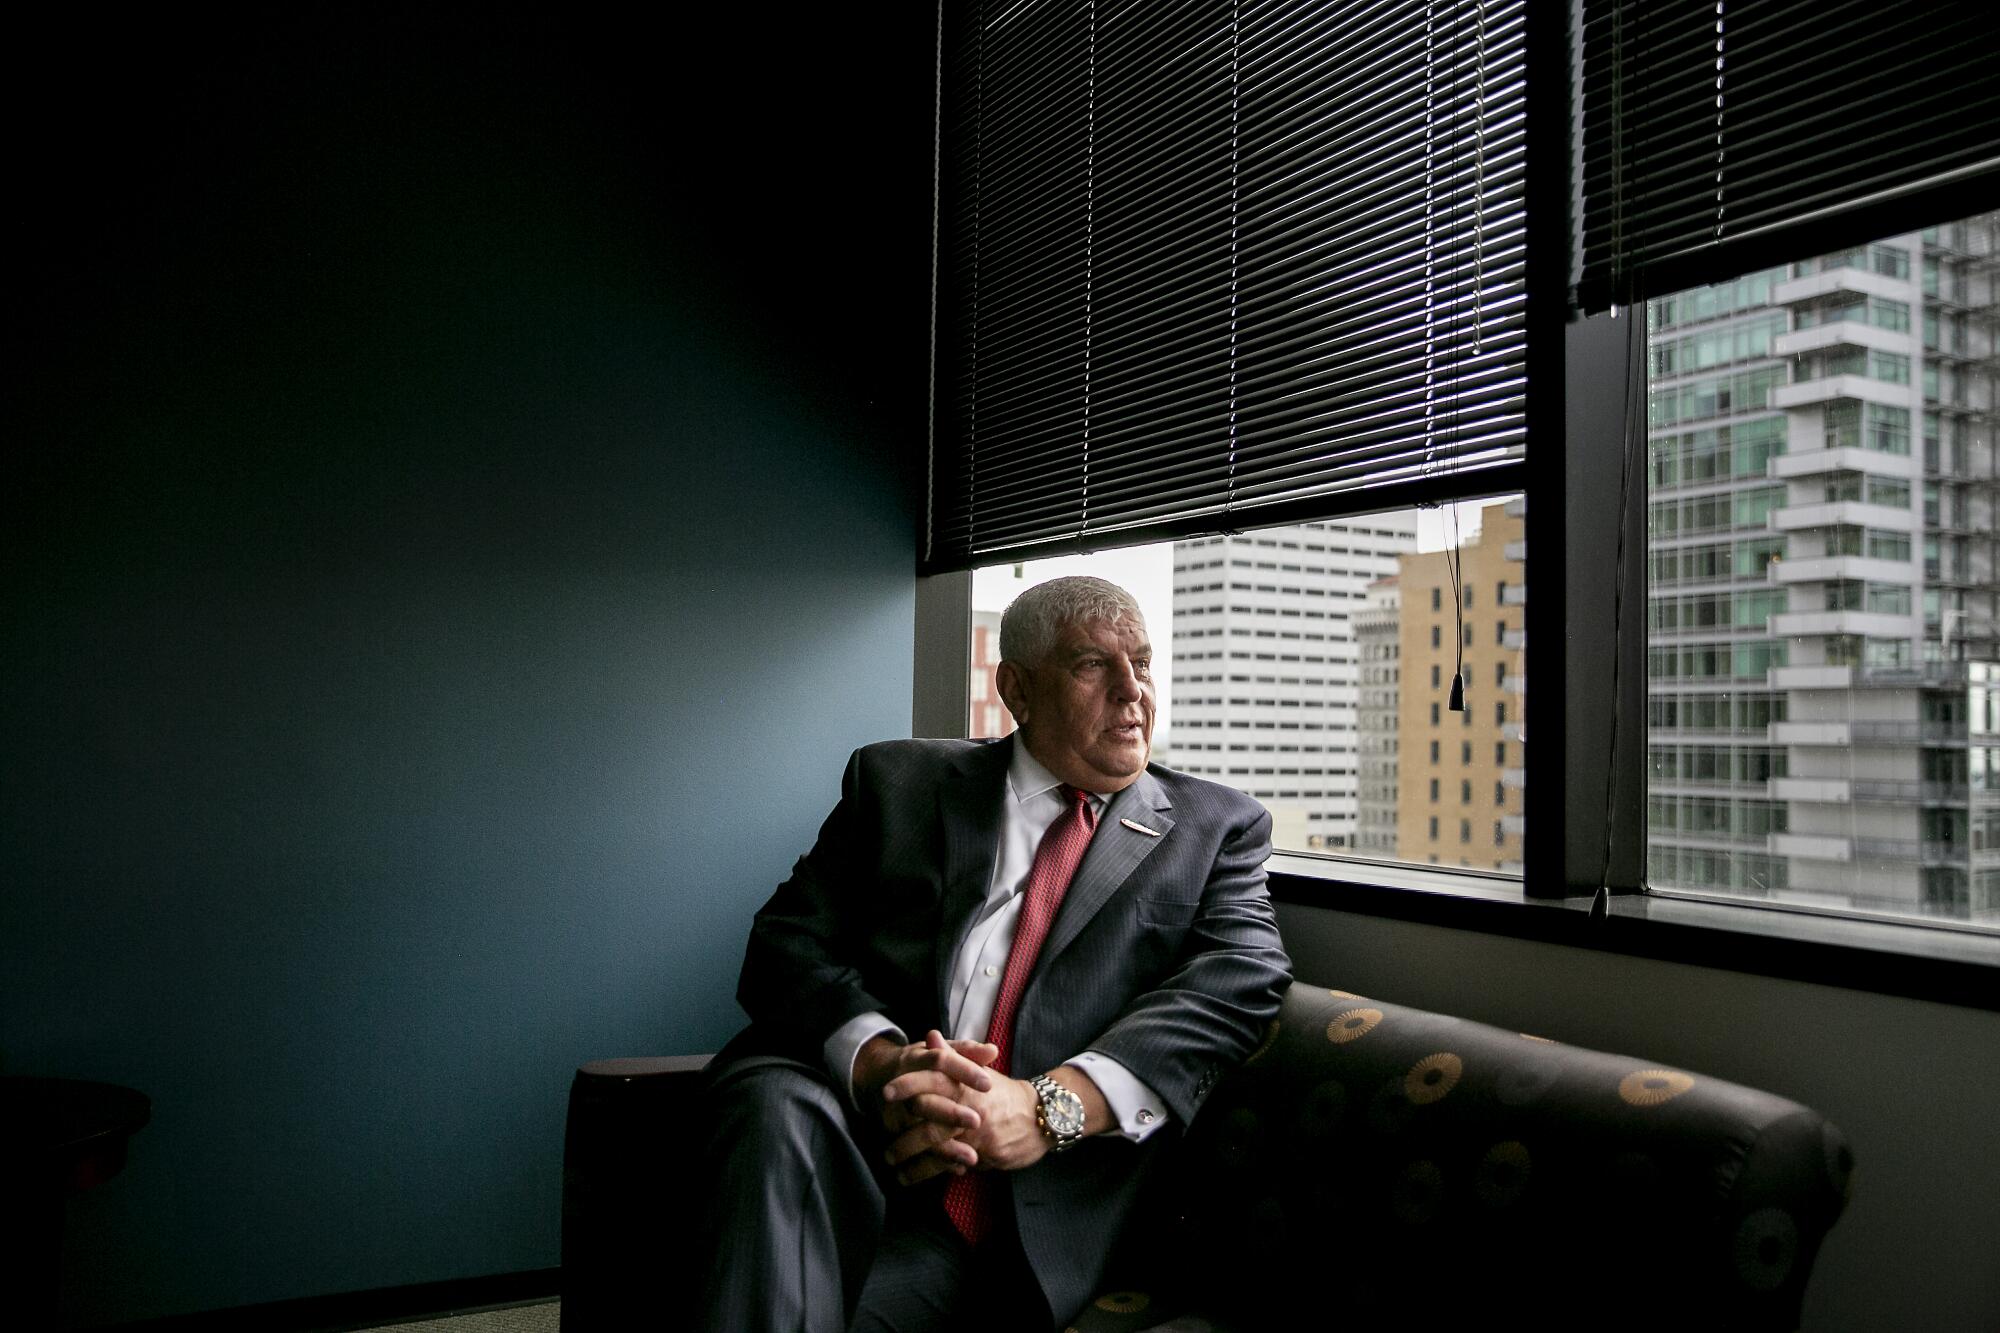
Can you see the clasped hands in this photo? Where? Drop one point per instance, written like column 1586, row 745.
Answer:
column 946, row 1111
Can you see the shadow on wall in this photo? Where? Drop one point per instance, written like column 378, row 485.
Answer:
column 467, row 521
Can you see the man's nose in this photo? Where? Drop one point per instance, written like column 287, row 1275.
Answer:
column 1125, row 683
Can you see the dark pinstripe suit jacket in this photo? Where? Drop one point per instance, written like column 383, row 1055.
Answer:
column 1164, row 955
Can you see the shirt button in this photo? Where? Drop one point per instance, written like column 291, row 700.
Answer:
column 1145, row 1117
column 992, row 971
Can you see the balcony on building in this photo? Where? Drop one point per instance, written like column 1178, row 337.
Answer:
column 1812, row 678
column 1814, row 287
column 1869, row 791
column 1875, row 624
column 1903, row 733
column 1834, row 388
column 1827, row 568
column 1840, row 333
column 1845, row 458
column 1903, row 851
column 1812, row 733
column 1836, row 790
column 1812, row 846
column 1831, row 513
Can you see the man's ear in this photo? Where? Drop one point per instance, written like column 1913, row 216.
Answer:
column 1013, row 692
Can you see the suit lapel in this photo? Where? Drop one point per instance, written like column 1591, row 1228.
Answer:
column 1115, row 852
column 970, row 803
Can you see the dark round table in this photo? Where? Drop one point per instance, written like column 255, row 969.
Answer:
column 56, row 1135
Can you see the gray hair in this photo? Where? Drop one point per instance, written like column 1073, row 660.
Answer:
column 1037, row 618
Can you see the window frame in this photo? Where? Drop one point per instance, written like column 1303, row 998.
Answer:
column 1582, row 879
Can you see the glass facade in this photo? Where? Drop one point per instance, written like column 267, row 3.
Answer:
column 1824, row 649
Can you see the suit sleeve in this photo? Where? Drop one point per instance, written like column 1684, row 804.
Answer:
column 796, row 985
column 1208, row 1013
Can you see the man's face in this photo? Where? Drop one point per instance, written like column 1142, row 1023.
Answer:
column 1086, row 710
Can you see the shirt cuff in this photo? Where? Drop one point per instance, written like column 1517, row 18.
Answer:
column 1136, row 1108
column 845, row 1045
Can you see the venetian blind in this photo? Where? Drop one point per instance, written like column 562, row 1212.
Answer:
column 1203, row 266
column 1712, row 128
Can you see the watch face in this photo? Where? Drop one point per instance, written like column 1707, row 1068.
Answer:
column 1064, row 1111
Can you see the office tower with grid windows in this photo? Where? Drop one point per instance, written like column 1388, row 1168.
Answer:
column 1822, row 625
column 1265, row 673
column 1378, row 647
column 1458, row 772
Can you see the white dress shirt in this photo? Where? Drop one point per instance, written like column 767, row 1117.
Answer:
column 1031, row 805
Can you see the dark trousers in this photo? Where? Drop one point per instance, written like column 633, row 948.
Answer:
column 806, row 1231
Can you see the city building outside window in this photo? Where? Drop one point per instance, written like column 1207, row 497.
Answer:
column 1292, row 689
column 1823, row 634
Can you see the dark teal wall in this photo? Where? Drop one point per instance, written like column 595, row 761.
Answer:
column 462, row 516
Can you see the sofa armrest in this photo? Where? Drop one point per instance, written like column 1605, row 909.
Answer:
column 626, row 1155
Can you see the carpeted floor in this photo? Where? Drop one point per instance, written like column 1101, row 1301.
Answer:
column 541, row 1317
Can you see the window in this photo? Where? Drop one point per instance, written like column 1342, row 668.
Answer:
column 1739, row 392
column 1465, row 791
column 1434, row 828
column 1793, row 782
column 1306, row 713
column 1434, row 790
column 1465, row 752
column 1437, row 599
column 1499, row 793
column 1465, row 830
column 1499, row 632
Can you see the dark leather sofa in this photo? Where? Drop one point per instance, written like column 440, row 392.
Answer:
column 1371, row 1166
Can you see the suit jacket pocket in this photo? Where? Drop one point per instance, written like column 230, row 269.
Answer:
column 1164, row 913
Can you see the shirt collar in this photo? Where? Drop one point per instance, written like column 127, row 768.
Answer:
column 1028, row 777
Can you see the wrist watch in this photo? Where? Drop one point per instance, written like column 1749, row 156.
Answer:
column 1060, row 1113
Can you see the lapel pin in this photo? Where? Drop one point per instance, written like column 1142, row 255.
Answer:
column 1140, row 828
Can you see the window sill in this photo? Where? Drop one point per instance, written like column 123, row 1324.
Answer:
column 1891, row 958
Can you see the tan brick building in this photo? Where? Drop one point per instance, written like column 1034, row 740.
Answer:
column 1458, row 789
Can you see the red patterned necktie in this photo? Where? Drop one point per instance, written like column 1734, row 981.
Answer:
column 968, row 1199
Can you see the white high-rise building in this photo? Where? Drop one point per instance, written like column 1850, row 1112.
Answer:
column 1822, row 622
column 1265, row 671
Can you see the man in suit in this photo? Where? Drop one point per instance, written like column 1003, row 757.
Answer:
column 1002, row 980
